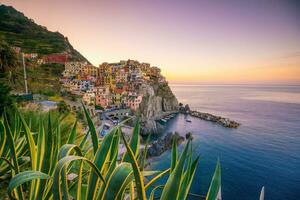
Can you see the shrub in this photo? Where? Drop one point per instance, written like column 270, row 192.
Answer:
column 50, row 162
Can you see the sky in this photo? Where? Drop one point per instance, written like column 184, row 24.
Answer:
column 192, row 41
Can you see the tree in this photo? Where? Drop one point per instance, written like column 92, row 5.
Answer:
column 8, row 58
column 8, row 63
column 5, row 99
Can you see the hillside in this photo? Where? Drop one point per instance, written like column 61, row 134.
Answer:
column 42, row 79
column 18, row 30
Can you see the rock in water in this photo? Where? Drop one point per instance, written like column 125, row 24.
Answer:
column 189, row 136
column 163, row 144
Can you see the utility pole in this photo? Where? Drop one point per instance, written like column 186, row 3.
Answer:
column 25, row 76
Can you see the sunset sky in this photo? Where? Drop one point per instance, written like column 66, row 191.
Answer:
column 192, row 41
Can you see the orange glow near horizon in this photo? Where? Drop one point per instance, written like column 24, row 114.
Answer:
column 192, row 42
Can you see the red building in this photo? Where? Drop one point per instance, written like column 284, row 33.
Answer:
column 56, row 58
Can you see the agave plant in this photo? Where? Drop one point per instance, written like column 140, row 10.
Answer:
column 41, row 166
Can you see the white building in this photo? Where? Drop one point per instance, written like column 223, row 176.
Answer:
column 89, row 98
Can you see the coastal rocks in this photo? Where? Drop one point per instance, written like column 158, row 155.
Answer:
column 208, row 117
column 158, row 100
column 163, row 144
column 216, row 119
column 184, row 109
column 189, row 136
column 150, row 126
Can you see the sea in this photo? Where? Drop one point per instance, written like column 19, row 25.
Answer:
column 263, row 151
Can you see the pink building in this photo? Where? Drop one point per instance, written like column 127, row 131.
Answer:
column 133, row 101
column 103, row 100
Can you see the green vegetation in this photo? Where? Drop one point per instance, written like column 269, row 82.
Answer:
column 38, row 163
column 17, row 30
column 8, row 64
column 98, row 107
column 163, row 90
column 43, row 79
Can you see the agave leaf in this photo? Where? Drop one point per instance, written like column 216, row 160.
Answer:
column 32, row 151
column 188, row 179
column 132, row 193
column 48, row 147
column 145, row 151
column 172, row 186
column 156, row 178
column 139, row 180
column 108, row 175
column 60, row 165
column 65, row 151
column 134, row 142
column 112, row 161
column 262, row 193
column 214, row 192
column 13, row 155
column 79, row 183
column 2, row 139
column 8, row 162
column 23, row 177
column 154, row 190
column 40, row 145
column 11, row 143
column 58, row 135
column 83, row 141
column 101, row 157
column 30, row 142
column 46, row 163
column 174, row 154
column 92, row 129
column 118, row 181
column 150, row 173
column 72, row 136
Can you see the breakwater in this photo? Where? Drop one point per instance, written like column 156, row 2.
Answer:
column 226, row 122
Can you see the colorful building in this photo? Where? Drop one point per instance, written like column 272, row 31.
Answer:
column 89, row 98
column 56, row 58
column 103, row 100
column 133, row 101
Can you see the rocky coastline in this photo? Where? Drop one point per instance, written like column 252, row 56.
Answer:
column 226, row 122
column 159, row 146
column 158, row 101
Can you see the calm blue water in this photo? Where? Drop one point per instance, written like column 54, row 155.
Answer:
column 263, row 151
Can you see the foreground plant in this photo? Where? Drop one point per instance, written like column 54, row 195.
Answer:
column 41, row 166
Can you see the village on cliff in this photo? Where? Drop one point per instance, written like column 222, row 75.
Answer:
column 111, row 85
column 117, row 89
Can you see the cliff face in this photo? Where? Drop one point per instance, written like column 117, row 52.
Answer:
column 158, row 100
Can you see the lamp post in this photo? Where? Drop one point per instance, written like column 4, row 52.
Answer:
column 25, row 76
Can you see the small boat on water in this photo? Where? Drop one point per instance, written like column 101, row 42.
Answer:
column 188, row 120
column 163, row 120
column 171, row 116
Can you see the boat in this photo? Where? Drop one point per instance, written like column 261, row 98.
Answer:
column 188, row 120
column 163, row 120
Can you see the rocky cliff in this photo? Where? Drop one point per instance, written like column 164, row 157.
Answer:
column 158, row 101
